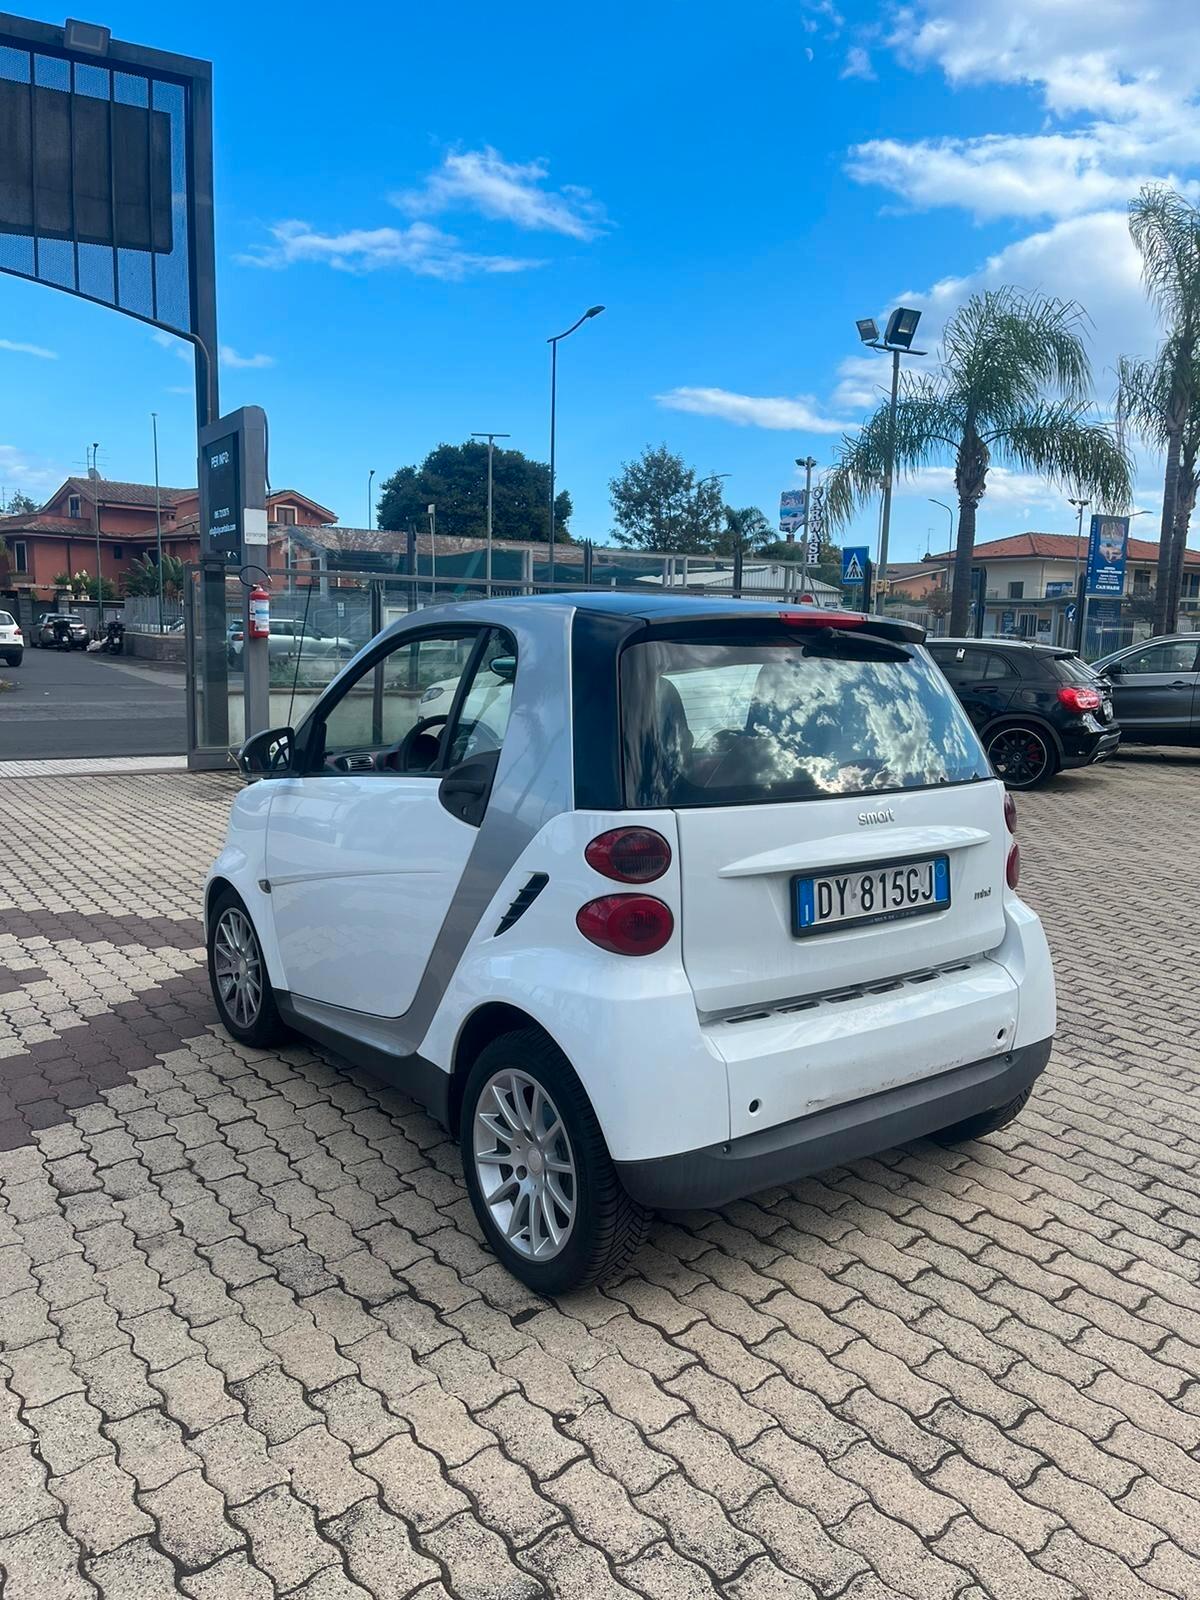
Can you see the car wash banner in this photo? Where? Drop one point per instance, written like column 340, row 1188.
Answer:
column 791, row 510
column 1106, row 556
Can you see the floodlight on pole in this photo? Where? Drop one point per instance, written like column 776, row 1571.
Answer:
column 88, row 37
column 897, row 339
column 553, row 342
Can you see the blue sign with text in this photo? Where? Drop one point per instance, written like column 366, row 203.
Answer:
column 1106, row 556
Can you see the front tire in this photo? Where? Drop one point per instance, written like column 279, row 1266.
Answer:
column 237, row 974
column 538, row 1171
column 984, row 1122
column 1022, row 755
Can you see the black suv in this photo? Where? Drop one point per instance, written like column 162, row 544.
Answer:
column 1036, row 708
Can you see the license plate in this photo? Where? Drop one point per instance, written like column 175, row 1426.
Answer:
column 853, row 896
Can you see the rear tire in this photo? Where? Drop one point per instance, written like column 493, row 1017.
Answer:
column 523, row 1101
column 14, row 660
column 1023, row 755
column 984, row 1122
column 237, row 974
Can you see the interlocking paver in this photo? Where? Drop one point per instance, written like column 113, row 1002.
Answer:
column 243, row 1290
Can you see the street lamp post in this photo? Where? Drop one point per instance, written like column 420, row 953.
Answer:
column 491, row 439
column 897, row 339
column 431, row 512
column 553, row 342
column 370, row 502
column 949, row 510
column 158, row 520
column 92, row 468
column 1080, row 507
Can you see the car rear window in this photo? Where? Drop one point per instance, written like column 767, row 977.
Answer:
column 709, row 723
column 6, row 620
column 1070, row 669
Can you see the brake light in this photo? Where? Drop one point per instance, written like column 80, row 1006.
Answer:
column 1010, row 812
column 1079, row 699
column 630, row 855
column 626, row 924
column 811, row 617
column 1012, row 868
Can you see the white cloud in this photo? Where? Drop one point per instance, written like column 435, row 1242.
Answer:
column 796, row 413
column 20, row 349
column 858, row 64
column 231, row 358
column 507, row 191
column 181, row 349
column 420, row 248
column 862, row 381
column 181, row 388
column 1090, row 259
column 29, row 474
column 1006, row 489
column 1006, row 175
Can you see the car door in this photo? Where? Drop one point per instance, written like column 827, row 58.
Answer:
column 1156, row 691
column 363, row 851
column 982, row 679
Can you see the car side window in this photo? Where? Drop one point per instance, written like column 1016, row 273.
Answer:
column 483, row 715
column 1178, row 656
column 968, row 666
column 392, row 718
column 999, row 668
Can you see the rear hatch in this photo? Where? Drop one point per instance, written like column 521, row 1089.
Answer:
column 838, row 822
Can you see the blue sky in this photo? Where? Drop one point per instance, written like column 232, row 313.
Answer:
column 405, row 215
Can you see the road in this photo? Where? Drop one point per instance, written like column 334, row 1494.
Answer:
column 75, row 704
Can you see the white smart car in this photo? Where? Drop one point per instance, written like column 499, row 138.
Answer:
column 667, row 901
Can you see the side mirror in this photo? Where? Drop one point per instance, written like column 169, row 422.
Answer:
column 268, row 754
column 1113, row 670
column 504, row 667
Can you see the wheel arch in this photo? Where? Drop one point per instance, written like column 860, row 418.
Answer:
column 1017, row 719
column 216, row 885
column 489, row 1021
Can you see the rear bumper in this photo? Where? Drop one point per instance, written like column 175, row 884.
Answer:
column 722, row 1172
column 1082, row 750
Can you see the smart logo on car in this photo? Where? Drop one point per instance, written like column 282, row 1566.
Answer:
column 867, row 818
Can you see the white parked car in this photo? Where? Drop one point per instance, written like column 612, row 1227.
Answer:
column 12, row 640
column 668, row 900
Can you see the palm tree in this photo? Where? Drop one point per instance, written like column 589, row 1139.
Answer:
column 1166, row 230
column 1012, row 389
column 1147, row 396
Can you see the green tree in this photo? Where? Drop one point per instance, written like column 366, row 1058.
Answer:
column 1166, row 230
column 1011, row 388
column 1148, row 399
column 454, row 479
column 747, row 528
column 18, row 505
column 142, row 577
column 659, row 504
column 85, row 587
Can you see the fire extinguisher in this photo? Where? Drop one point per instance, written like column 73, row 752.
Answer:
column 260, row 613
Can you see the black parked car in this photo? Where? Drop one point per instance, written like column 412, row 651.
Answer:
column 1037, row 708
column 1156, row 689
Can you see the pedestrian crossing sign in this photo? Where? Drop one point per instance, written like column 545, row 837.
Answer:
column 854, row 563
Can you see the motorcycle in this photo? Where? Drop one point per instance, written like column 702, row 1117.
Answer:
column 68, row 635
column 114, row 637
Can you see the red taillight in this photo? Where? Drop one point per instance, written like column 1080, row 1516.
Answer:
column 630, row 855
column 1010, row 812
column 1012, row 869
column 1079, row 699
column 812, row 617
column 626, row 924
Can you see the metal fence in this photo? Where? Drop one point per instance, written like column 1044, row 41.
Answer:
column 141, row 614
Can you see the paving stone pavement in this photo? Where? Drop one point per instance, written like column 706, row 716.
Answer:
column 251, row 1345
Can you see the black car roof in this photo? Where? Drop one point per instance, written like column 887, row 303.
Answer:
column 1026, row 645
column 656, row 605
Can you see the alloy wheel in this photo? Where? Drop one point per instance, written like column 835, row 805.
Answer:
column 525, row 1165
column 237, row 965
column 1019, row 756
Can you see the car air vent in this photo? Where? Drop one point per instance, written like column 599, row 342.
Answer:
column 525, row 898
column 358, row 763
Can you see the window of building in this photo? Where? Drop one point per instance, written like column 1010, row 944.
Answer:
column 20, row 552
column 74, row 506
column 1016, row 591
column 286, row 515
column 1141, row 581
column 118, row 551
column 1191, row 586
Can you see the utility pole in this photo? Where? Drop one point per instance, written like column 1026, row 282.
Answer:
column 808, row 463
column 370, row 505
column 432, row 514
column 592, row 311
column 491, row 439
column 1076, row 598
column 93, row 479
column 158, row 520
column 896, row 341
